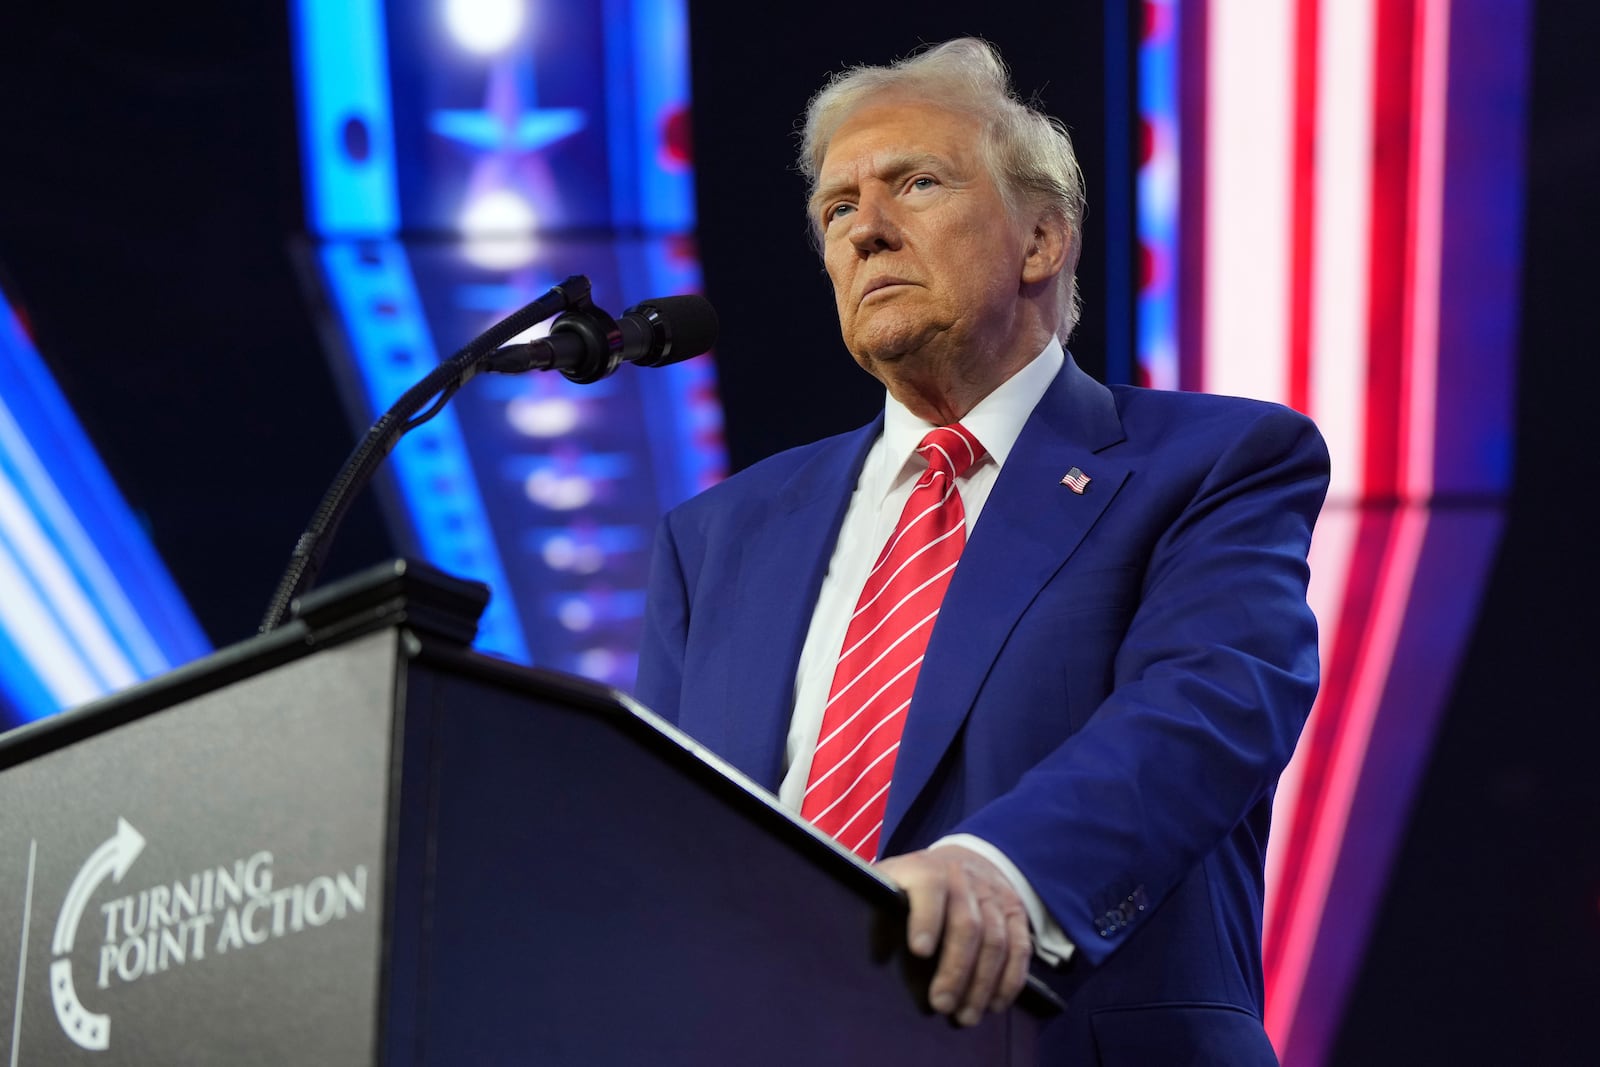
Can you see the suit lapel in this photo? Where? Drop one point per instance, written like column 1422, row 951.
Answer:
column 1029, row 527
column 784, row 554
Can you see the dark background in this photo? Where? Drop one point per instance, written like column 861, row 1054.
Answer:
column 149, row 192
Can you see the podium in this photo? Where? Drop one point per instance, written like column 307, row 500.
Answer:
column 355, row 841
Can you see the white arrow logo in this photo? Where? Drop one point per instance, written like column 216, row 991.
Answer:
column 114, row 857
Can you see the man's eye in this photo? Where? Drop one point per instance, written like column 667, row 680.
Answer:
column 923, row 182
column 837, row 211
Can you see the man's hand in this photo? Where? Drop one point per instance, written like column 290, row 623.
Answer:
column 963, row 907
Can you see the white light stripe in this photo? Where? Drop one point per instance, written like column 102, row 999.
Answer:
column 66, row 531
column 1342, row 237
column 39, row 549
column 39, row 559
column 1332, row 547
column 1250, row 93
column 891, row 750
column 848, row 755
column 1427, row 236
column 887, row 582
column 30, row 625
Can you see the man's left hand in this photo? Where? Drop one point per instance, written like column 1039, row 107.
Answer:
column 963, row 907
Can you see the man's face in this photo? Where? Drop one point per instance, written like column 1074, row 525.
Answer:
column 925, row 259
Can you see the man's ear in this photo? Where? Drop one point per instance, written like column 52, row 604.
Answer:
column 1045, row 255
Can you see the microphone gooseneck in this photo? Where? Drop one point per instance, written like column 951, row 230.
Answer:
column 585, row 344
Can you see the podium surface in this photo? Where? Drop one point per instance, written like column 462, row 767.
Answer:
column 354, row 841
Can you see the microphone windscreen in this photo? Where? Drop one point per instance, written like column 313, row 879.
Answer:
column 687, row 325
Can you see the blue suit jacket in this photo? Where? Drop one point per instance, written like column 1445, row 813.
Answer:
column 1113, row 685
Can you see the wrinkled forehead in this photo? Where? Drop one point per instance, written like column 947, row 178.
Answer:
column 901, row 118
column 884, row 137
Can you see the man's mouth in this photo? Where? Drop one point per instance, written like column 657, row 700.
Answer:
column 878, row 284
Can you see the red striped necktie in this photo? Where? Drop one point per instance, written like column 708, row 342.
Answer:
column 848, row 787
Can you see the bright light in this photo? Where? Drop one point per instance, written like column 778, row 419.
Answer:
column 563, row 553
column 558, row 492
column 588, row 559
column 484, row 26
column 576, row 615
column 559, row 552
column 548, row 416
column 498, row 227
column 599, row 663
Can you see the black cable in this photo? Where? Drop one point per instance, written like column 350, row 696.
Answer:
column 434, row 409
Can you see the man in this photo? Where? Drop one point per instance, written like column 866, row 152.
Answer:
column 1045, row 664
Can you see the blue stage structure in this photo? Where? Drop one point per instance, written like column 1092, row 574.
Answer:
column 460, row 158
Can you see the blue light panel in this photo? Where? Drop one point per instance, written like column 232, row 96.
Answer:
column 501, row 154
column 383, row 317
column 1157, row 196
column 86, row 606
column 346, row 130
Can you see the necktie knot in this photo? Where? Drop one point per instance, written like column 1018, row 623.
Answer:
column 951, row 449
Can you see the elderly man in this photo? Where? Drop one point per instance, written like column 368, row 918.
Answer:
column 1038, row 647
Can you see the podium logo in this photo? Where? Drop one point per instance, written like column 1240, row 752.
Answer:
column 113, row 858
column 205, row 915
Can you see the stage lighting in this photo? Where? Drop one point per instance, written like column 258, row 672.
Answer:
column 545, row 416
column 558, row 492
column 484, row 27
column 499, row 231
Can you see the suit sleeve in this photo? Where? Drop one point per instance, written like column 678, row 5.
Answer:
column 666, row 628
column 1211, row 685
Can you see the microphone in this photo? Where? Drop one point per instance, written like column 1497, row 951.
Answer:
column 668, row 329
column 586, row 344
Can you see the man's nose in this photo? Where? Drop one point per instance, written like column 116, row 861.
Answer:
column 873, row 227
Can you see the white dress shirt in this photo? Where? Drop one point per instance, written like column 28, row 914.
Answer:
column 890, row 472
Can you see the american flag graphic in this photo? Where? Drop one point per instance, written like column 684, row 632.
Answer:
column 1306, row 228
column 1075, row 480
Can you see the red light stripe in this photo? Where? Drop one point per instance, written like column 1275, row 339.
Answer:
column 1419, row 385
column 1392, row 578
column 1320, row 742
column 1302, row 209
column 1407, row 201
column 1390, row 247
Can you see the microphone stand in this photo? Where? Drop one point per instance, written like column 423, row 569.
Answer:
column 440, row 384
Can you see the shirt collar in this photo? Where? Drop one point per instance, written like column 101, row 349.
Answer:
column 996, row 421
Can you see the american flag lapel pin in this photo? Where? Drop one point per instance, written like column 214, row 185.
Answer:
column 1075, row 480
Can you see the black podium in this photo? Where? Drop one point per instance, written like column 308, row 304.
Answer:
column 354, row 841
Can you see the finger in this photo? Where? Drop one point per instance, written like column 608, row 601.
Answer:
column 988, row 965
column 1019, row 942
column 958, row 951
column 928, row 899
